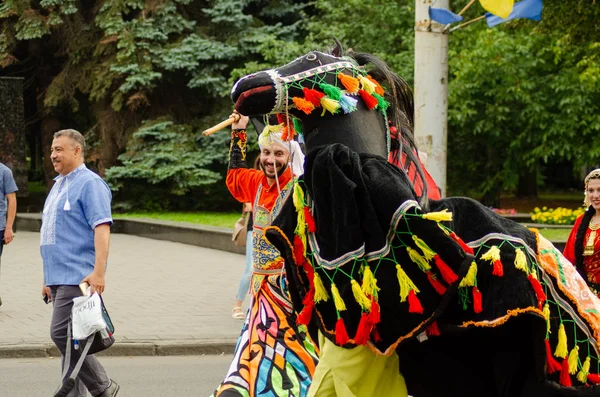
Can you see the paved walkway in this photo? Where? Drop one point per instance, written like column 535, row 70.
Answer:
column 163, row 297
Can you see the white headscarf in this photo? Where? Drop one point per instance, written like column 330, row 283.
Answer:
column 272, row 139
column 595, row 174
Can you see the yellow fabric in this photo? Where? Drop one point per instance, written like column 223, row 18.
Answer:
column 501, row 8
column 357, row 372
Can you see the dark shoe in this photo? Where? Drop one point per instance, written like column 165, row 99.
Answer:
column 111, row 391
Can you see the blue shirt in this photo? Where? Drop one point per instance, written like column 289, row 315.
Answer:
column 7, row 186
column 77, row 203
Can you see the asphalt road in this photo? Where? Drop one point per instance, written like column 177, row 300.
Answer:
column 174, row 376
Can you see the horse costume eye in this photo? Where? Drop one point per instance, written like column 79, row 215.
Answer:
column 311, row 57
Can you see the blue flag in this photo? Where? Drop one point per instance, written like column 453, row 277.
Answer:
column 530, row 9
column 443, row 16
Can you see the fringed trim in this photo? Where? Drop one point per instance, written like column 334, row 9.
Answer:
column 320, row 291
column 310, row 221
column 470, row 278
column 585, row 370
column 406, row 284
column 331, row 91
column 350, row 83
column 435, row 283
column 330, row 105
column 313, row 96
column 477, row 301
column 573, row 360
column 378, row 88
column 414, row 304
column 447, row 274
column 359, row 296
column 370, row 100
column 340, row 305
column 537, row 287
column 521, row 261
column 348, row 104
column 367, row 85
column 433, row 329
column 464, row 245
column 565, row 378
column 493, row 255
column 341, row 335
column 418, row 259
column 561, row 347
column 369, row 282
column 552, row 365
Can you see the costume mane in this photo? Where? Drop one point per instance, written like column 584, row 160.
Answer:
column 474, row 304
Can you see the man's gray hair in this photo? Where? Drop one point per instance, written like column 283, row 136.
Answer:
column 74, row 135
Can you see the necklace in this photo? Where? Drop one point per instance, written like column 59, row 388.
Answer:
column 589, row 245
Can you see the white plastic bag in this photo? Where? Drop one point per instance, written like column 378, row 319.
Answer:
column 86, row 316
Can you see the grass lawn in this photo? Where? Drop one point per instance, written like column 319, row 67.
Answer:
column 219, row 219
column 555, row 234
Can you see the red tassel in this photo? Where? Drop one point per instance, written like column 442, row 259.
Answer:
column 565, row 378
column 369, row 99
column 375, row 335
column 498, row 268
column 537, row 287
column 551, row 364
column 306, row 313
column 310, row 221
column 313, row 96
column 341, row 335
column 432, row 329
column 439, row 288
column 298, row 251
column 364, row 330
column 477, row 304
column 375, row 315
column 414, row 305
column 593, row 378
column 460, row 242
column 447, row 274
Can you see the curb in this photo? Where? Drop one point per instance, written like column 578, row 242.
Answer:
column 129, row 349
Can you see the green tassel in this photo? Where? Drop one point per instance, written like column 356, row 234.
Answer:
column 382, row 103
column 297, row 125
column 331, row 91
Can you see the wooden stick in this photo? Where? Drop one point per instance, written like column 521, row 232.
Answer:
column 221, row 125
column 467, row 23
column 466, row 7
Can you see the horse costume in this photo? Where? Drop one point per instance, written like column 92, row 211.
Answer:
column 473, row 304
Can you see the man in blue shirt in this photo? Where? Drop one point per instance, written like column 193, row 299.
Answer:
column 8, row 207
column 74, row 243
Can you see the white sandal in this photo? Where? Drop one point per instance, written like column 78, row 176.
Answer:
column 237, row 313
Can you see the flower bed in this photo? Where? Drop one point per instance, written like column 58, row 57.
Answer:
column 556, row 216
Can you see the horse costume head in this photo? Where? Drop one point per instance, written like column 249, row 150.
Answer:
column 330, row 98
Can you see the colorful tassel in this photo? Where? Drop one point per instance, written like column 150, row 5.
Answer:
column 537, row 287
column 585, row 370
column 546, row 312
column 337, row 298
column 320, row 291
column 298, row 251
column 303, row 105
column 331, row 91
column 418, row 259
column 369, row 100
column 414, row 304
column 378, row 88
column 440, row 216
column 464, row 245
column 593, row 378
column 433, row 329
column 350, row 83
column 369, row 282
column 493, row 255
column 297, row 125
column 552, row 365
column 447, row 274
column 565, row 378
column 573, row 360
column 310, row 221
column 330, row 105
column 363, row 330
column 471, row 277
column 561, row 348
column 375, row 314
column 341, row 335
column 521, row 261
column 367, row 85
column 313, row 96
column 382, row 104
column 306, row 313
column 439, row 288
column 428, row 253
column 348, row 104
column 375, row 335
column 359, row 296
column 406, row 284
column 477, row 301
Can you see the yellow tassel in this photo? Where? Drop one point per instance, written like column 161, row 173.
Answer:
column 444, row 229
column 469, row 279
column 320, row 291
column 521, row 261
column 493, row 254
column 546, row 312
column 585, row 371
column 367, row 84
column 561, row 348
column 573, row 360
column 428, row 253
column 330, row 105
column 406, row 284
column 337, row 299
column 441, row 216
column 369, row 282
column 298, row 197
column 360, row 296
column 418, row 259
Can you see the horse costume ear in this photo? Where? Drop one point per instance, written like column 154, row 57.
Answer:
column 337, row 50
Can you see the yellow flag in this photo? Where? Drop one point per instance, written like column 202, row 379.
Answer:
column 501, row 8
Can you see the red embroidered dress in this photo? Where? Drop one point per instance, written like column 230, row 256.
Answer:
column 591, row 259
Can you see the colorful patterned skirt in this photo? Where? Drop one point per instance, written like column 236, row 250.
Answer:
column 273, row 357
